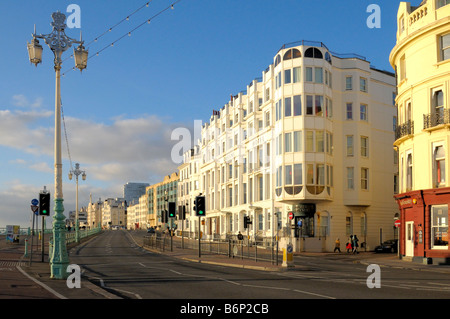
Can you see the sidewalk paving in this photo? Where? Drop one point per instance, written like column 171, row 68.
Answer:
column 21, row 280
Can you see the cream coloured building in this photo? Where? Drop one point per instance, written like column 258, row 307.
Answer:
column 114, row 213
column 313, row 137
column 94, row 213
column 421, row 58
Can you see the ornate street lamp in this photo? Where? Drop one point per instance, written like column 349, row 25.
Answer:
column 58, row 42
column 77, row 173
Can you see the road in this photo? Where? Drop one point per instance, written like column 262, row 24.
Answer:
column 114, row 261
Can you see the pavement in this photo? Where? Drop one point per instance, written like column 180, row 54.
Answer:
column 23, row 278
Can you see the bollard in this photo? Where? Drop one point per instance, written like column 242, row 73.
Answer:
column 288, row 260
column 26, row 248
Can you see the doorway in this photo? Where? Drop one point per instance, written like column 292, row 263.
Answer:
column 409, row 239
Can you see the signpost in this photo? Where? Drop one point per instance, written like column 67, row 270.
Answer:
column 34, row 209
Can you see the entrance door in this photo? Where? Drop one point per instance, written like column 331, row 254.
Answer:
column 409, row 239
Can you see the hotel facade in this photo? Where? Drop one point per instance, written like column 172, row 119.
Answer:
column 305, row 152
column 421, row 58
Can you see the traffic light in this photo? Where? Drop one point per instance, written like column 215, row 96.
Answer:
column 44, row 204
column 247, row 221
column 171, row 210
column 200, row 208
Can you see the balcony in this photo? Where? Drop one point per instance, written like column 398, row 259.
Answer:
column 434, row 119
column 404, row 129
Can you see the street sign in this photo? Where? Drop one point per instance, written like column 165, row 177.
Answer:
column 397, row 223
column 291, row 215
column 34, row 202
column 34, row 208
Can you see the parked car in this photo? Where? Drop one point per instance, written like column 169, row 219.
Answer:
column 389, row 246
column 151, row 230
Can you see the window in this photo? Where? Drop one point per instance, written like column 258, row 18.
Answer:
column 297, row 141
column 297, row 105
column 363, row 112
column 278, row 143
column 438, row 103
column 445, row 47
column 288, row 175
column 349, row 111
column 363, row 85
column 298, row 174
column 267, row 118
column 318, row 74
column 267, row 94
column 310, row 174
column 287, row 142
column 350, row 184
column 409, row 171
column 309, row 74
column 320, row 145
column 364, row 178
column 441, row 3
column 313, row 53
column 278, row 110
column 245, row 193
column 364, row 146
column 349, row 145
column 402, row 68
column 287, row 107
column 310, row 141
column 287, row 76
column 328, row 108
column 348, row 83
column 401, row 24
column 439, row 166
column 297, row 74
column 309, row 104
column 439, row 227
column 319, row 105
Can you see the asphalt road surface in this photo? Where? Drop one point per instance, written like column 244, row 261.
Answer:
column 114, row 261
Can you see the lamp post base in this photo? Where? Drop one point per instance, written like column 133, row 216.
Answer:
column 59, row 259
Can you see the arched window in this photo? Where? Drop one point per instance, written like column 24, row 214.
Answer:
column 328, row 57
column 291, row 54
column 313, row 53
column 277, row 60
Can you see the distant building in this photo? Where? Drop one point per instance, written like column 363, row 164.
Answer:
column 132, row 192
column 421, row 58
column 94, row 213
column 114, row 213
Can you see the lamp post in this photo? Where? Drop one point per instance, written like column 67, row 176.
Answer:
column 58, row 43
column 77, row 173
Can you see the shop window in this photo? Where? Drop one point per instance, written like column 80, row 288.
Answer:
column 439, row 227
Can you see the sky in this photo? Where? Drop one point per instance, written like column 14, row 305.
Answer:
column 121, row 111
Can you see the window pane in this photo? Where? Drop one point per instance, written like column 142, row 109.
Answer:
column 350, row 178
column 349, row 145
column 310, row 141
column 297, row 74
column 349, row 111
column 309, row 104
column 287, row 107
column 320, row 174
column 288, row 175
column 297, row 105
column 310, row 174
column 287, row 76
column 319, row 141
column 309, row 74
column 287, row 142
column 319, row 105
column 298, row 174
column 297, row 141
column 348, row 83
column 319, row 75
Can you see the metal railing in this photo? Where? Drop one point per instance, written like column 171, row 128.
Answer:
column 434, row 119
column 404, row 129
column 259, row 249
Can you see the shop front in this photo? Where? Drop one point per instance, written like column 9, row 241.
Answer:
column 424, row 225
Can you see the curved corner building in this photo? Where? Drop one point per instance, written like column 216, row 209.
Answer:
column 305, row 152
column 421, row 58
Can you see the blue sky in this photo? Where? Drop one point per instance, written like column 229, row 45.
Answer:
column 120, row 112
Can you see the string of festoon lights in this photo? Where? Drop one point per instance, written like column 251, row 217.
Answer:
column 128, row 34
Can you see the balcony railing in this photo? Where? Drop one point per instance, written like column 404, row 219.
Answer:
column 435, row 119
column 404, row 129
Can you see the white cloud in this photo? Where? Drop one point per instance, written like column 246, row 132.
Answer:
column 21, row 100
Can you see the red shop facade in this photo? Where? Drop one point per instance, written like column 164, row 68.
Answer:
column 424, row 225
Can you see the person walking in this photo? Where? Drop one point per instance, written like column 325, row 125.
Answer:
column 337, row 245
column 355, row 244
column 349, row 245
